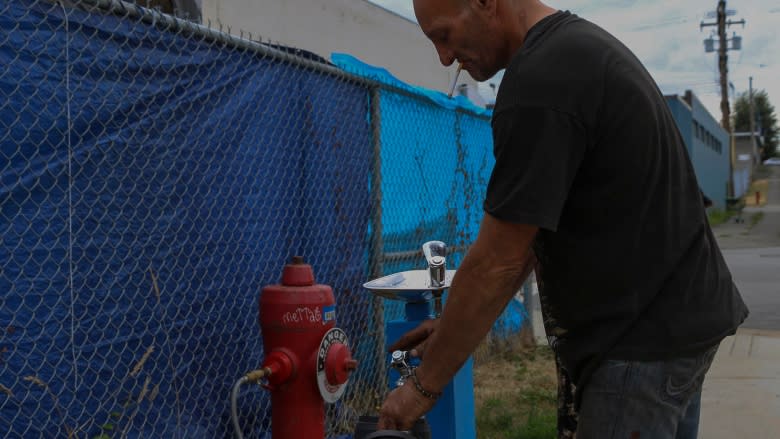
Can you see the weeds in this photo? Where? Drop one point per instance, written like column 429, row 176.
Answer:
column 57, row 408
column 354, row 405
column 140, row 364
column 515, row 391
column 6, row 390
column 717, row 217
column 755, row 219
column 131, row 404
column 4, row 349
column 504, row 418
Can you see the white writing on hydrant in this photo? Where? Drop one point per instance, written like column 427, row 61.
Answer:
column 302, row 314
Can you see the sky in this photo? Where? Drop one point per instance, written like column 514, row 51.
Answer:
column 666, row 36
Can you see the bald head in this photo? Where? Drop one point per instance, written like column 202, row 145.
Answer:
column 481, row 34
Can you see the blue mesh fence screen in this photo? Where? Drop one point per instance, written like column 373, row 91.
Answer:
column 156, row 174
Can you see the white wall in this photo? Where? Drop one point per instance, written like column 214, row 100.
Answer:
column 370, row 33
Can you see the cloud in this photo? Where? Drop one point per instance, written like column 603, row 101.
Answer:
column 666, row 36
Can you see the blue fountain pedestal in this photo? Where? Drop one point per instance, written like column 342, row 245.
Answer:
column 453, row 415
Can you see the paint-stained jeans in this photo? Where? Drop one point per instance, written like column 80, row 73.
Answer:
column 644, row 399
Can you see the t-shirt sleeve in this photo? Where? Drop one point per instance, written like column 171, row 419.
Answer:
column 538, row 152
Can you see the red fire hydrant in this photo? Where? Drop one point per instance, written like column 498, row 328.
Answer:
column 307, row 359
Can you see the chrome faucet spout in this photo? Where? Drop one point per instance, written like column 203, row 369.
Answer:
column 436, row 255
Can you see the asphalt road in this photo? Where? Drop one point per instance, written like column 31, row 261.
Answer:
column 752, row 252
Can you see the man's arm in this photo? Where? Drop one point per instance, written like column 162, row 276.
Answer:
column 493, row 270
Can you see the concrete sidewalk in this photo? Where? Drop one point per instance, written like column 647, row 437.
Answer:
column 741, row 396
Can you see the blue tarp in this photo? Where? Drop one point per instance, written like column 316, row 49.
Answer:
column 437, row 156
column 436, row 159
column 379, row 74
column 150, row 185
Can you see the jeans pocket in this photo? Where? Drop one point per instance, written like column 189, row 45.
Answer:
column 685, row 376
column 613, row 376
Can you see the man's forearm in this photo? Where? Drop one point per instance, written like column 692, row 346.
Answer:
column 481, row 289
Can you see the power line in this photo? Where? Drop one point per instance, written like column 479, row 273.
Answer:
column 663, row 23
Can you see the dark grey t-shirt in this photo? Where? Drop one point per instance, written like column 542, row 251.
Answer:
column 587, row 149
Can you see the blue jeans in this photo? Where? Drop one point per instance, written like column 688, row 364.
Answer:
column 644, row 399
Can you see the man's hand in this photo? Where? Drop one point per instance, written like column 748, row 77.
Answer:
column 403, row 407
column 490, row 274
column 414, row 340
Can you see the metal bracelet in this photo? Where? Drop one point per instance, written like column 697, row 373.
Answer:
column 419, row 387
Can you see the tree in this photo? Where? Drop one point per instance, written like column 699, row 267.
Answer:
column 766, row 120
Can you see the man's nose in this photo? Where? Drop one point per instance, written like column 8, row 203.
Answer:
column 446, row 56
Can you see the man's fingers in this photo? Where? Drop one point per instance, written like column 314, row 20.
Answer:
column 402, row 408
column 385, row 423
column 417, row 351
column 414, row 337
column 410, row 339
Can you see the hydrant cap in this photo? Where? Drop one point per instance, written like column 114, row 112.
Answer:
column 338, row 364
column 297, row 273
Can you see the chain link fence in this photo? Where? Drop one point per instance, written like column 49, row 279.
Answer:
column 155, row 174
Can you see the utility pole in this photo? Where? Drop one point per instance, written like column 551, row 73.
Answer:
column 721, row 22
column 753, row 122
column 709, row 46
column 723, row 66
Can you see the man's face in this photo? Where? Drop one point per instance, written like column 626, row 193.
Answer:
column 462, row 30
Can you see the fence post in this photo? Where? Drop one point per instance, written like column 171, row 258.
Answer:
column 376, row 244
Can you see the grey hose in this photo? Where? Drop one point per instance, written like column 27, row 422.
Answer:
column 234, row 403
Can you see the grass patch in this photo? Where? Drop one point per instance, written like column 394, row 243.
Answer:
column 499, row 419
column 756, row 218
column 717, row 216
column 515, row 392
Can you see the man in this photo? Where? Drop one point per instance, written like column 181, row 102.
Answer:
column 593, row 181
column 707, row 201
